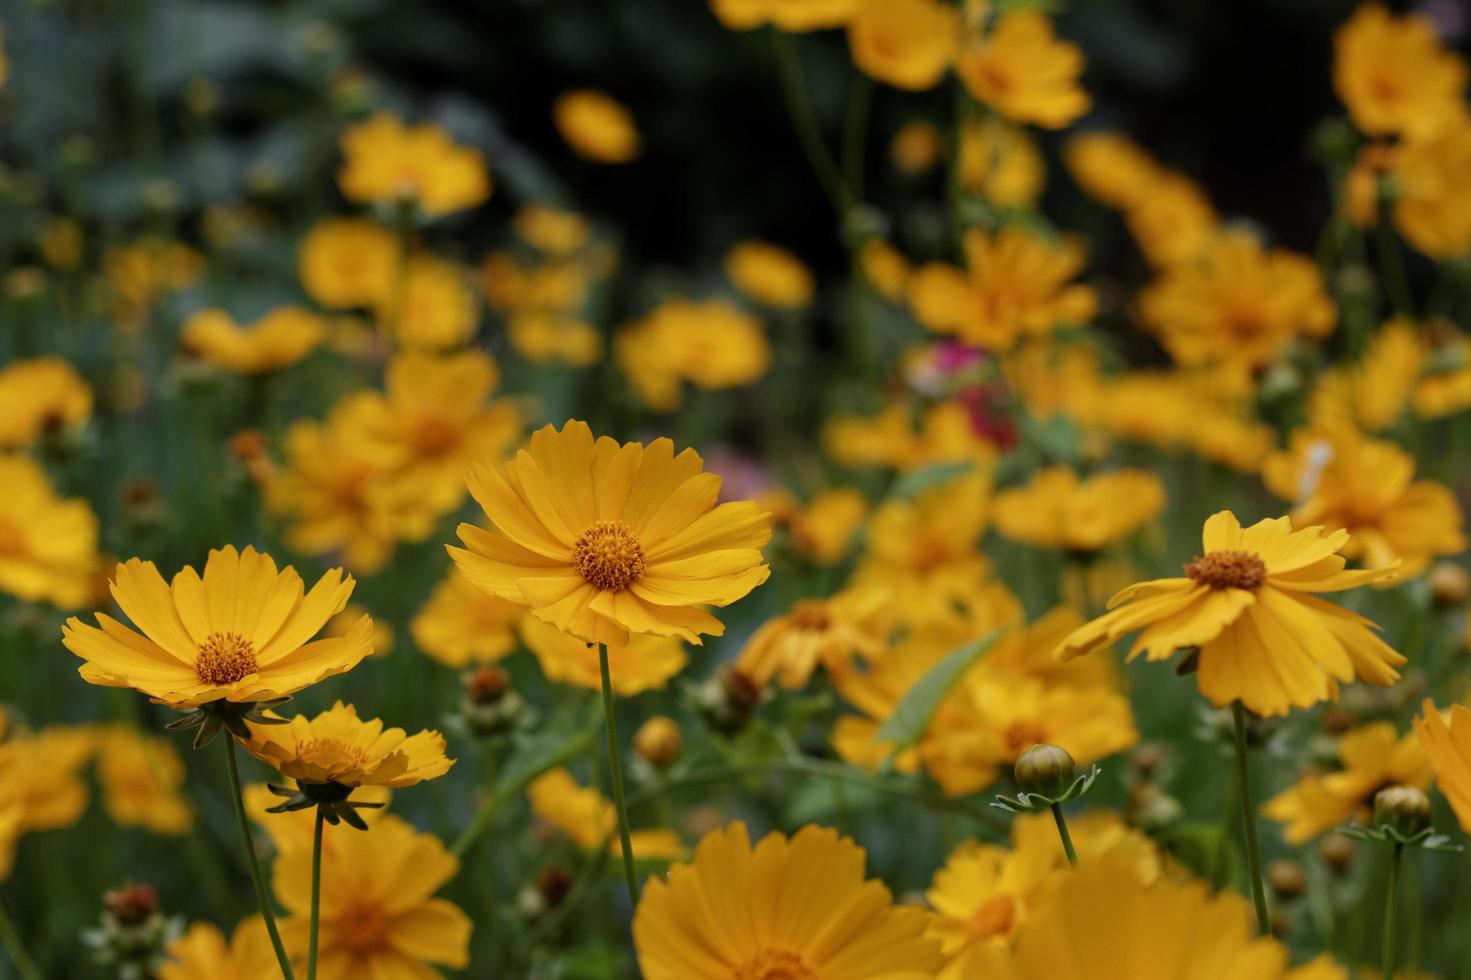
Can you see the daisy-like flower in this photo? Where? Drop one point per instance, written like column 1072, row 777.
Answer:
column 386, row 162
column 1394, row 75
column 604, row 541
column 434, row 310
column 142, row 780
column 830, row 632
column 346, row 263
column 909, row 44
column 202, row 952
column 597, row 126
column 1372, row 393
column 277, row 340
column 713, row 344
column 794, row 908
column 40, row 397
column 770, row 275
column 1249, row 606
column 786, row 15
column 1021, row 70
column 1447, row 741
column 339, row 747
column 1000, row 162
column 588, row 818
column 461, row 625
column 48, row 546
column 1058, row 510
column 822, row 530
column 646, row 663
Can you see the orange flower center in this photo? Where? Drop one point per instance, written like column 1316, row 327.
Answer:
column 609, row 556
column 12, row 539
column 224, row 658
column 332, row 754
column 810, row 615
column 362, row 926
column 433, row 437
column 1228, row 570
column 774, row 964
column 995, row 917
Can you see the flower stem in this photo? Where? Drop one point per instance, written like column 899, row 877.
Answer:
column 1248, row 820
column 1067, row 839
column 616, row 770
column 1389, row 904
column 311, row 954
column 499, row 796
column 794, row 88
column 25, row 967
column 255, row 875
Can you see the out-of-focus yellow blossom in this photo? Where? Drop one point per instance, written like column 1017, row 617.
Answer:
column 946, row 434
column 597, row 126
column 1368, row 488
column 885, row 268
column 41, row 783
column 544, row 338
column 1016, row 285
column 1445, row 387
column 1051, row 379
column 60, row 241
column 1238, row 303
column 1111, row 168
column 917, row 147
column 645, row 663
column 48, row 545
column 1372, row 393
column 786, row 15
column 1370, row 757
column 1024, row 72
column 345, row 263
column 1394, row 75
column 202, row 952
column 1186, row 410
column 388, row 163
column 1429, row 208
column 1446, row 740
column 39, row 397
column 827, row 632
column 770, row 275
column 275, row 341
column 435, row 308
column 142, row 272
column 554, row 287
column 711, row 343
column 1174, row 223
column 461, row 625
column 1058, row 510
column 822, row 530
column 554, row 231
column 586, row 816
column 908, row 44
column 142, row 781
column 1001, row 163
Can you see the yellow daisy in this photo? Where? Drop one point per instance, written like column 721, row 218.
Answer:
column 1001, row 163
column 142, row 779
column 823, row 529
column 277, row 340
column 713, row 344
column 588, row 818
column 386, row 162
column 461, row 625
column 434, row 309
column 908, row 44
column 202, row 952
column 1394, row 75
column 1058, row 510
column 769, row 274
column 830, row 632
column 645, row 663
column 338, row 747
column 1021, row 70
column 787, row 15
column 40, row 397
column 48, row 546
column 597, row 126
column 1448, row 744
column 345, row 263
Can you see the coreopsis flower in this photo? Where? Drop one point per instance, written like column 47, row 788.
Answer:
column 347, row 263
column 1052, row 380
column 142, row 780
column 822, row 530
column 543, row 339
column 1024, row 72
column 770, row 275
column 909, row 44
column 387, row 163
column 1370, row 757
column 48, row 545
column 1237, row 303
column 41, row 779
column 596, row 126
column 588, row 818
column 771, row 922
column 1058, row 510
column 947, row 433
column 1174, row 223
column 554, row 231
column 713, row 344
column 644, row 663
column 1249, row 605
column 1001, row 163
column 40, row 397
column 1394, row 75
column 1445, row 385
column 798, row 16
column 1015, row 285
column 514, row 287
column 1196, row 410
column 1372, row 393
column 1426, row 208
column 461, row 625
column 1111, row 168
column 1368, row 488
column 141, row 273
column 885, row 268
column 202, row 952
column 275, row 341
column 1447, row 742
column 435, row 309
column 827, row 632
column 241, row 633
column 338, row 747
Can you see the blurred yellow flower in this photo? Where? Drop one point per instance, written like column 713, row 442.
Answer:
column 712, row 343
column 1197, row 409
column 1447, row 742
column 388, row 163
column 908, row 44
column 770, row 275
column 345, row 263
column 822, row 530
column 240, row 632
column 1111, row 168
column 1001, row 163
column 596, row 126
column 40, row 397
column 586, row 816
column 827, row 632
column 1174, row 223
column 1020, row 69
column 461, row 625
column 1428, row 207
column 275, row 341
column 142, row 780
column 338, row 747
column 645, row 663
column 1445, row 386
column 917, row 147
column 434, row 309
column 543, row 338
column 1372, row 393
column 41, row 782
column 201, row 952
column 885, row 268
column 140, row 273
column 1393, row 74
column 792, row 907
column 60, row 241
column 786, row 15
column 48, row 545
column 554, row 231
column 1058, row 510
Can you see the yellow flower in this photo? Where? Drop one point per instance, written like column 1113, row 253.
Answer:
column 712, row 343
column 541, row 339
column 1238, row 303
column 388, row 163
column 347, row 262
column 583, row 814
column 1001, row 163
column 201, row 952
column 1428, row 208
column 48, row 545
column 1017, row 285
column 239, row 633
column 344, row 621
column 917, row 147
column 1198, row 409
column 1055, row 379
column 1021, row 70
column 141, row 272
column 142, row 781
column 1248, row 604
column 830, row 632
column 822, row 530
column 436, row 308
column 554, row 231
column 461, row 625
column 1370, row 757
column 1448, row 745
column 908, row 44
column 1445, row 387
column 338, row 747
column 1057, row 510
column 1111, row 168
column 947, row 434
column 1371, row 394
column 41, row 782
column 277, row 340
column 40, row 397
column 786, row 15
column 796, row 907
column 645, row 663
column 770, row 275
column 885, row 268
column 1394, row 75
column 1174, row 223
column 596, row 126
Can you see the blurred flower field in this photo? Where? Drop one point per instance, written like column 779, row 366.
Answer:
column 831, row 501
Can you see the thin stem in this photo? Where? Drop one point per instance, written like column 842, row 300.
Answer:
column 311, row 952
column 260, row 882
column 616, row 771
column 855, row 134
column 1389, row 904
column 25, row 967
column 500, row 796
column 1067, row 839
column 1392, row 265
column 1248, row 820
column 794, row 89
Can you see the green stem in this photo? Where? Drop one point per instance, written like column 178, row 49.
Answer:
column 1067, row 840
column 25, row 967
column 855, row 134
column 1389, row 904
column 1392, row 266
column 1248, row 820
column 311, row 950
column 616, row 771
column 255, row 875
column 500, row 796
column 794, row 89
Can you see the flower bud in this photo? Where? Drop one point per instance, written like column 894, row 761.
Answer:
column 1287, row 878
column 132, row 933
column 658, row 741
column 1449, row 585
column 1338, row 852
column 1402, row 808
column 489, row 705
column 1044, row 769
column 550, row 889
column 728, row 700
column 132, row 904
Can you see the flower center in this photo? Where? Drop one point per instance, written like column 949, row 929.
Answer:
column 810, row 615
column 224, row 658
column 1022, row 735
column 1228, row 570
column 332, row 754
column 362, row 927
column 434, row 437
column 609, row 556
column 12, row 539
column 774, row 964
column 995, row 917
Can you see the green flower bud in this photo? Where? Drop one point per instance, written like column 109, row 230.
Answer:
column 1402, row 808
column 1047, row 770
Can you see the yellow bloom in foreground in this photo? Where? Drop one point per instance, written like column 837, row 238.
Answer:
column 786, row 15
column 461, row 625
column 830, row 632
column 142, row 781
column 604, row 541
column 386, row 162
column 1248, row 603
column 437, row 306
column 1371, row 757
column 39, row 397
column 1001, row 163
column 794, row 907
column 586, row 816
column 338, row 747
column 48, row 546
column 714, row 344
column 241, row 632
column 1016, row 285
column 646, row 663
column 770, row 275
column 201, row 952
column 1021, row 70
column 596, row 126
column 908, row 44
column 347, row 262
column 1057, row 510
column 1394, row 75
column 1448, row 744
column 277, row 340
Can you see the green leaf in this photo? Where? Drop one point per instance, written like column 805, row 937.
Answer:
column 911, row 718
column 916, row 482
